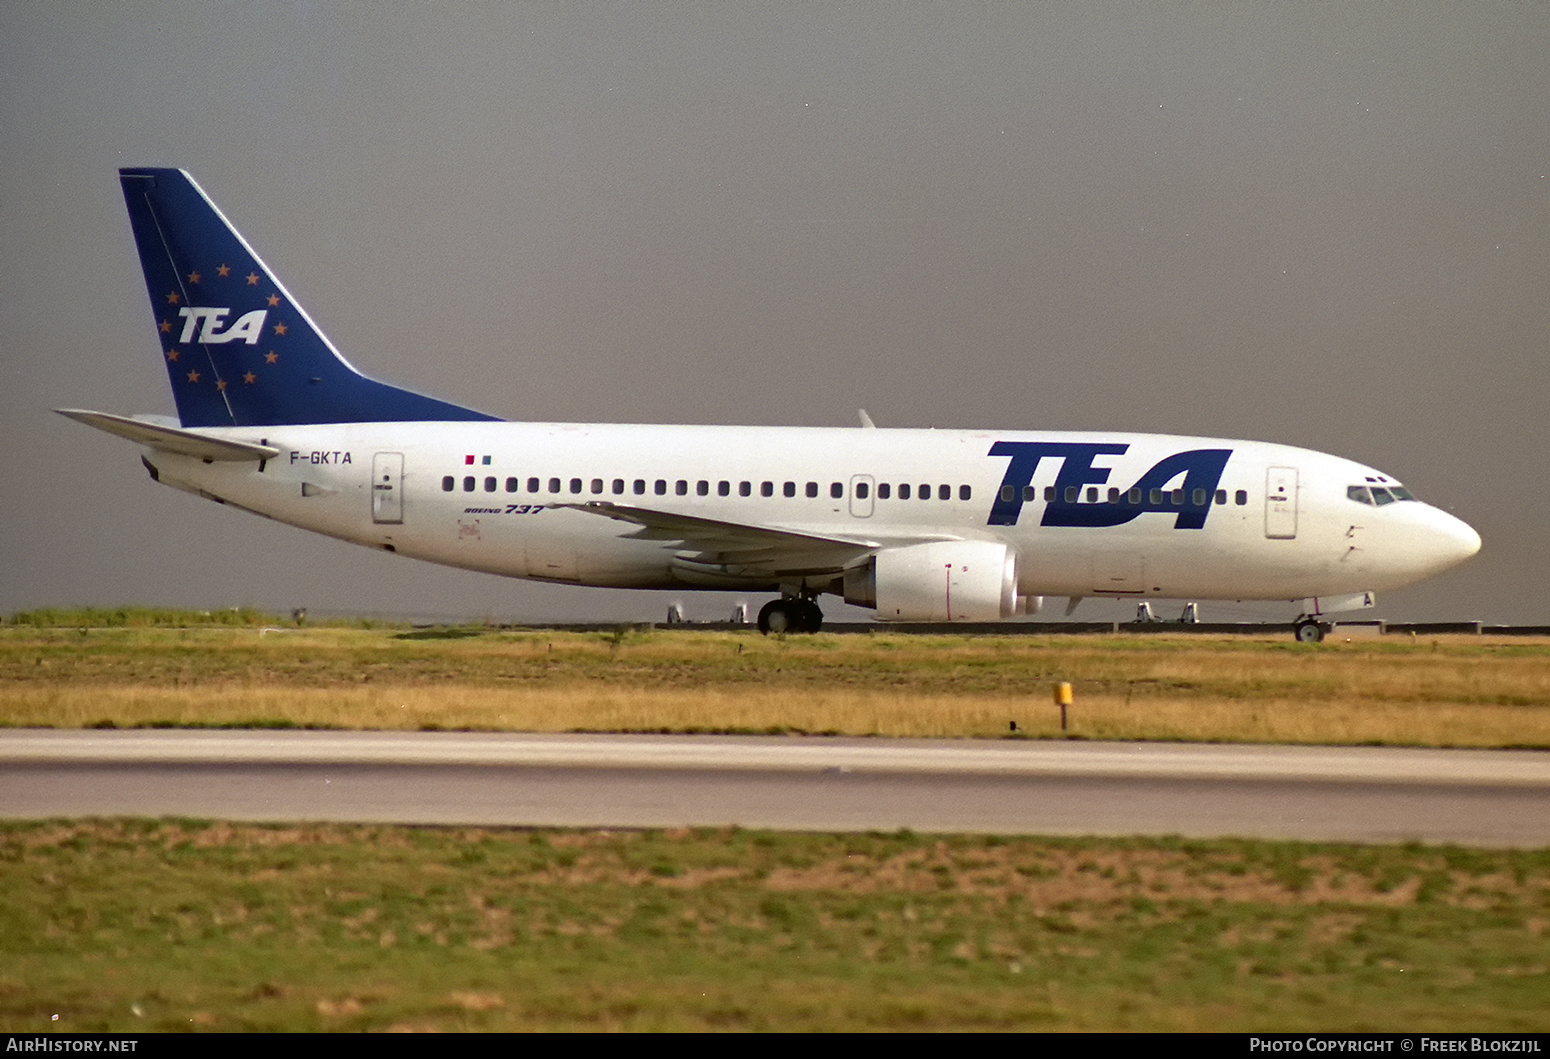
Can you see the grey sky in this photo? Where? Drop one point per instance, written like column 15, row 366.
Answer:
column 1322, row 224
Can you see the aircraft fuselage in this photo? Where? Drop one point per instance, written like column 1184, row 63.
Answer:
column 1087, row 514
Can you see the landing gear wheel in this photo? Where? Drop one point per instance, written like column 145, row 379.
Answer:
column 775, row 617
column 790, row 614
column 1309, row 631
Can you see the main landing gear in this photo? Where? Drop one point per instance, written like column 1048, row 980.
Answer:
column 790, row 614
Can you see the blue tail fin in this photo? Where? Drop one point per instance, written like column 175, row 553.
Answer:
column 240, row 351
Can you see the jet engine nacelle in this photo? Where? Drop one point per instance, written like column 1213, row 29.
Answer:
column 939, row 581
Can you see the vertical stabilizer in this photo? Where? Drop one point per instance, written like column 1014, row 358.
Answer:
column 239, row 350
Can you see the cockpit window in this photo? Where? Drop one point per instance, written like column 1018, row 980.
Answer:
column 1377, row 495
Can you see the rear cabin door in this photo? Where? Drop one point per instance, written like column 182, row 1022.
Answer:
column 387, row 487
column 1281, row 503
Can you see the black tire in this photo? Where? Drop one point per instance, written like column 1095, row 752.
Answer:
column 775, row 616
column 1309, row 631
column 790, row 615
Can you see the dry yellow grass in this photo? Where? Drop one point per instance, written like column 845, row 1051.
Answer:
column 1458, row 691
column 840, row 711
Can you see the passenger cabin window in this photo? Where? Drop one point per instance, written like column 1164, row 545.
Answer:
column 660, row 487
column 681, row 487
column 554, row 485
column 766, row 488
column 812, row 489
column 723, row 488
column 702, row 488
column 944, row 492
column 884, row 490
column 904, row 490
column 575, row 485
column 489, row 485
column 965, row 493
column 639, row 486
column 468, row 485
column 447, row 484
column 925, row 491
column 789, row 489
column 1241, row 498
column 745, row 489
column 618, row 486
column 1221, row 497
column 862, row 491
column 597, row 485
column 513, row 484
column 837, row 489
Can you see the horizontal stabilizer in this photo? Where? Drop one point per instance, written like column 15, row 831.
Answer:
column 172, row 439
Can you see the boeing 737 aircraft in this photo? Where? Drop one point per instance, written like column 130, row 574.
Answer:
column 918, row 525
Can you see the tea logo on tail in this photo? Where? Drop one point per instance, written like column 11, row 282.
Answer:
column 248, row 327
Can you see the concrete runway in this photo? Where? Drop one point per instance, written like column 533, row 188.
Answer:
column 1356, row 794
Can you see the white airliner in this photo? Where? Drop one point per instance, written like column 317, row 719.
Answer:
column 918, row 525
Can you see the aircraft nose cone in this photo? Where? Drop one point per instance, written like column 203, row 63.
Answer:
column 1450, row 540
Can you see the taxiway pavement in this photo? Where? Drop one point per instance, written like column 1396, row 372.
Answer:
column 1357, row 794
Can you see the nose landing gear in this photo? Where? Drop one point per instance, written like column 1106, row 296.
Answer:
column 790, row 614
column 1308, row 630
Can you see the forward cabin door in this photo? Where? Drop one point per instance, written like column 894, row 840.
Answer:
column 1281, row 503
column 387, row 488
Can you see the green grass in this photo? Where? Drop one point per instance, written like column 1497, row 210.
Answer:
column 137, row 617
column 120, row 926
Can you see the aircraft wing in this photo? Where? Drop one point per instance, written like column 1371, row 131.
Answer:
column 717, row 548
column 717, row 534
column 172, row 439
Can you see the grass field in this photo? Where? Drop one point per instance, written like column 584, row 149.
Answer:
column 128, row 926
column 125, row 926
column 1436, row 691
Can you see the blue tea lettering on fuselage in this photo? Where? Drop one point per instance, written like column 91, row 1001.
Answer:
column 1201, row 469
column 1076, row 470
